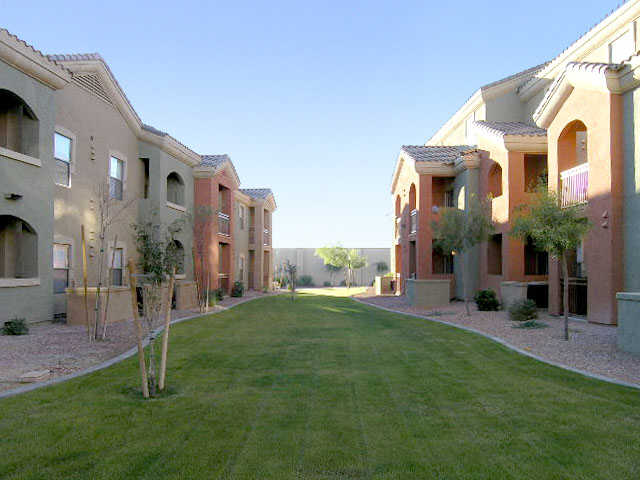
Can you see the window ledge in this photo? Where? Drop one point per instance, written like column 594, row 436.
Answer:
column 19, row 282
column 21, row 157
column 175, row 206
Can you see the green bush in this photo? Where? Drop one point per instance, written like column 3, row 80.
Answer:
column 305, row 281
column 217, row 295
column 237, row 290
column 17, row 326
column 487, row 301
column 326, row 284
column 523, row 310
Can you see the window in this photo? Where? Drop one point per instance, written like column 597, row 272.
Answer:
column 18, row 248
column 118, row 270
column 179, row 251
column 494, row 256
column 448, row 199
column 62, row 154
column 61, row 261
column 116, row 176
column 621, row 48
column 241, row 216
column 535, row 171
column 461, row 198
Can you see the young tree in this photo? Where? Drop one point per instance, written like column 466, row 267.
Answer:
column 158, row 260
column 553, row 229
column 292, row 271
column 342, row 258
column 202, row 227
column 458, row 231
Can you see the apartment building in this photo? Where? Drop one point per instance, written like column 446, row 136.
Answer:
column 234, row 225
column 75, row 154
column 571, row 121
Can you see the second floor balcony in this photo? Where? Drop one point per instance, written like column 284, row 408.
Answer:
column 266, row 237
column 224, row 224
column 574, row 184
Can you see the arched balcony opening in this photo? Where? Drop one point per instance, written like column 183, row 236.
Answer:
column 175, row 189
column 19, row 129
column 18, row 248
column 573, row 164
column 494, row 180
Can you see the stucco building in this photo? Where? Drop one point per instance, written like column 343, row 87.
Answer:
column 72, row 147
column 572, row 121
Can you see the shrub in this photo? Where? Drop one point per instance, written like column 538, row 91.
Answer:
column 343, row 283
column 305, row 281
column 523, row 310
column 217, row 295
column 487, row 301
column 326, row 284
column 237, row 290
column 16, row 326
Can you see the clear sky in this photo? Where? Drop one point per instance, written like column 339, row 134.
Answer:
column 310, row 98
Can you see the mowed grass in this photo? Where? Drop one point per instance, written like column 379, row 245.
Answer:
column 326, row 388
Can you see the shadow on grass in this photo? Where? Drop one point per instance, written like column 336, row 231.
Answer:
column 135, row 393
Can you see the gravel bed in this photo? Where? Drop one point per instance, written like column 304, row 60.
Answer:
column 64, row 349
column 591, row 347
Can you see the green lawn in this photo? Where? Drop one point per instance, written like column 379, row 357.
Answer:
column 326, row 388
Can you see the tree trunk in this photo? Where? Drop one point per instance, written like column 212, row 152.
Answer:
column 98, row 307
column 84, row 281
column 565, row 295
column 465, row 284
column 136, row 320
column 152, row 365
column 165, row 335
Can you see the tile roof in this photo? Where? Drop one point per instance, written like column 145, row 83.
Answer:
column 6, row 33
column 214, row 160
column 260, row 193
column 510, row 128
column 433, row 153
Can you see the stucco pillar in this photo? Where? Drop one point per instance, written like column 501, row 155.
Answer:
column 424, row 238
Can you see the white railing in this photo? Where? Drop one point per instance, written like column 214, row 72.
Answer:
column 574, row 185
column 224, row 224
column 414, row 221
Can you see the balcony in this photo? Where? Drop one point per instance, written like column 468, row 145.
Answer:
column 224, row 224
column 574, row 185
column 397, row 228
column 414, row 222
column 266, row 237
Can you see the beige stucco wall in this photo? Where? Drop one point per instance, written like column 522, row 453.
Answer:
column 310, row 264
column 98, row 131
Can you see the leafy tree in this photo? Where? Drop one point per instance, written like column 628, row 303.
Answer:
column 332, row 269
column 159, row 258
column 458, row 231
column 343, row 258
column 382, row 267
column 552, row 229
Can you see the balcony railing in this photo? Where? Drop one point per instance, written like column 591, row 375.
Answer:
column 224, row 224
column 575, row 183
column 266, row 237
column 414, row 221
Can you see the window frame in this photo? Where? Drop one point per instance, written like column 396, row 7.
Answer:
column 62, row 131
column 67, row 268
column 123, row 159
column 111, row 247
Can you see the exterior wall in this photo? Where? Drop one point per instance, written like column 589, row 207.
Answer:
column 428, row 293
column 35, row 184
column 602, row 114
column 466, row 187
column 629, row 322
column 100, row 132
column 632, row 190
column 206, row 195
column 156, row 207
column 310, row 264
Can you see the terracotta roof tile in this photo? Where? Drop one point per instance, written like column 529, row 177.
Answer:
column 260, row 193
column 510, row 128
column 434, row 153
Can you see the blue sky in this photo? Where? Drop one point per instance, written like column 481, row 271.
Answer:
column 313, row 99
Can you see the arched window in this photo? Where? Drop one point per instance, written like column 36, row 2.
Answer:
column 18, row 125
column 495, row 180
column 18, row 248
column 179, row 252
column 175, row 189
column 412, row 197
